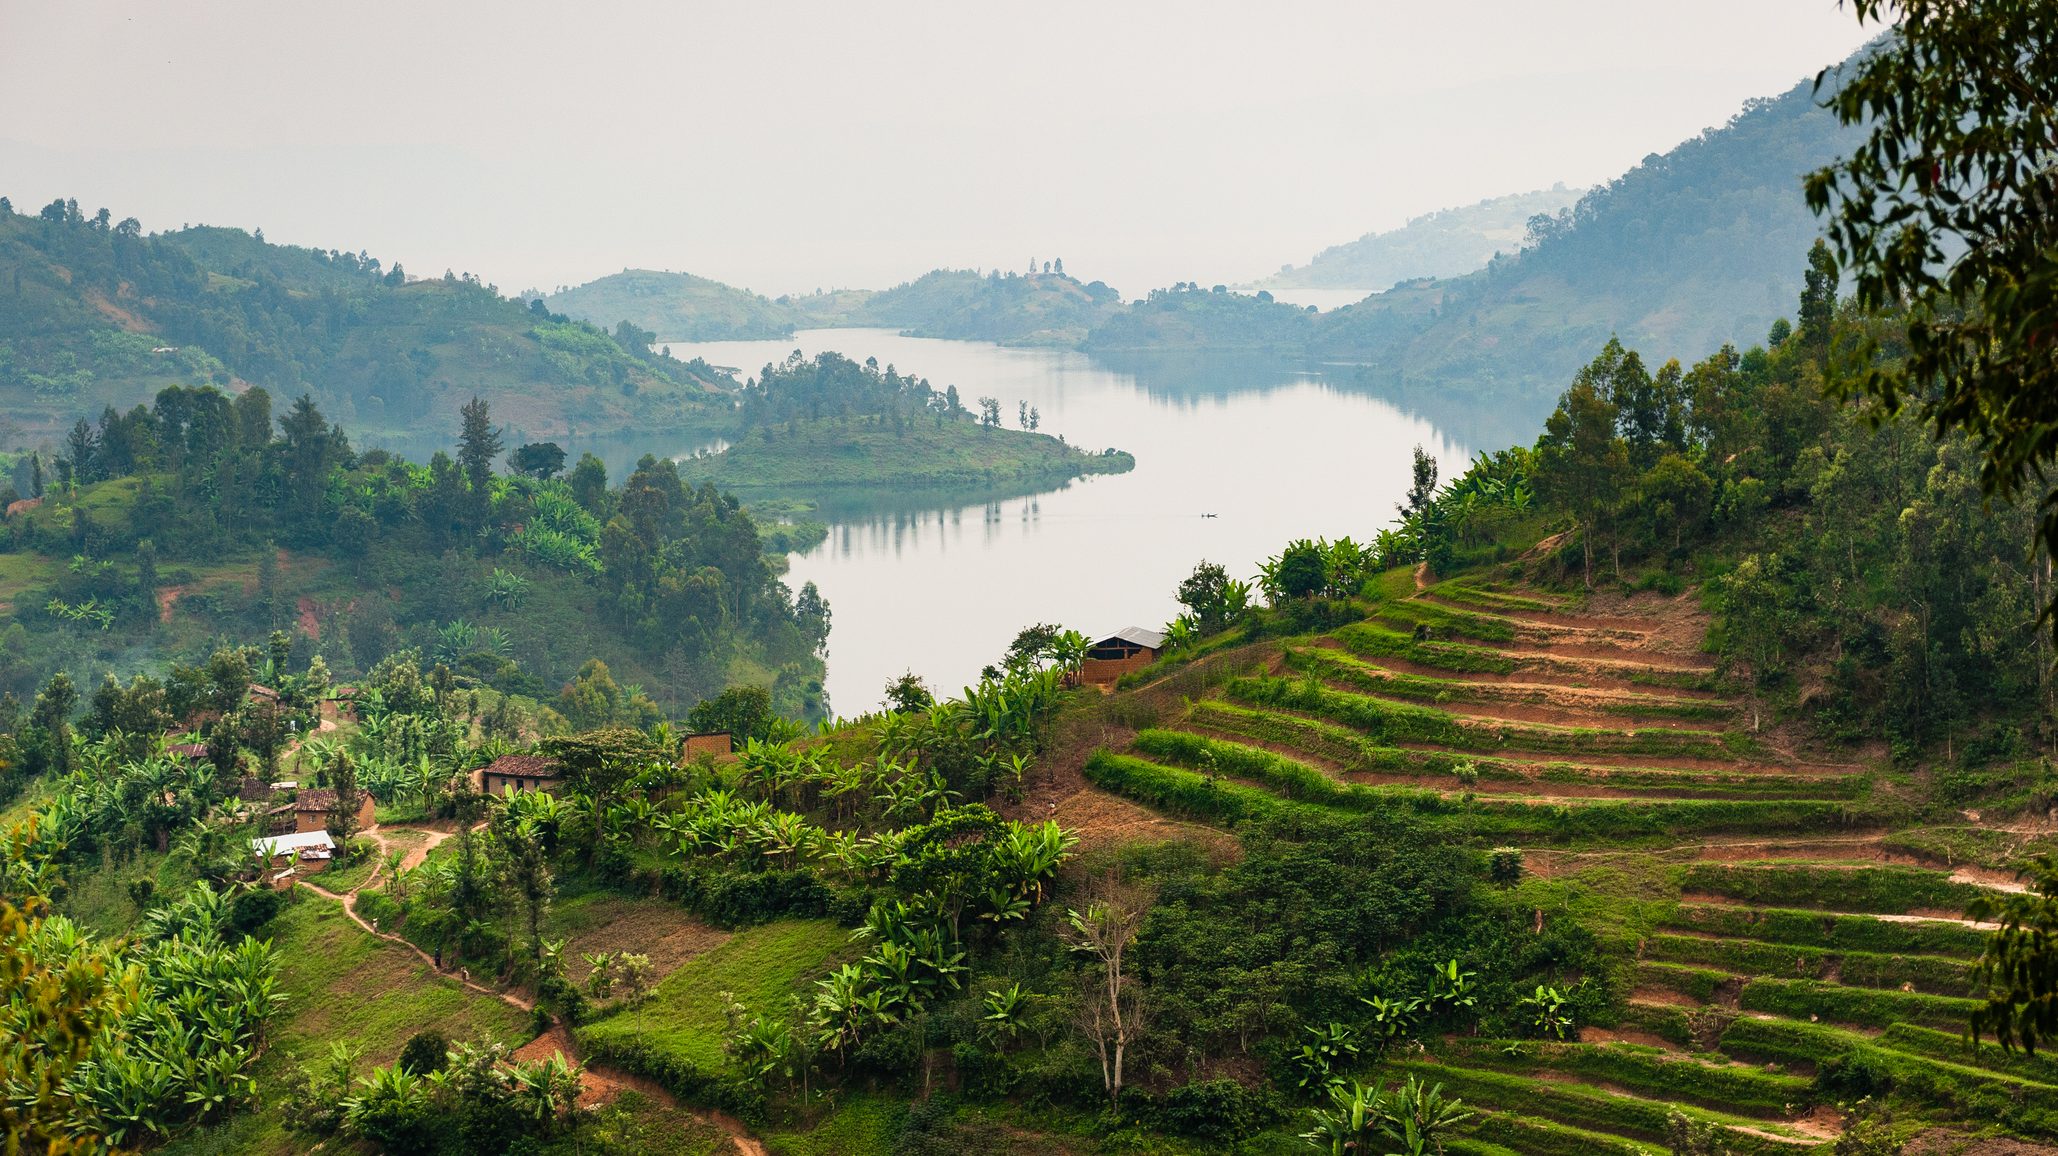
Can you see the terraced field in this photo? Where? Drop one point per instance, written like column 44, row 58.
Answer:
column 1777, row 948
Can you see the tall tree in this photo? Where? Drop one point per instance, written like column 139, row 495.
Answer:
column 478, row 446
column 1948, row 207
column 1581, row 465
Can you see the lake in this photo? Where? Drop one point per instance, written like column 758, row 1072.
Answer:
column 1234, row 458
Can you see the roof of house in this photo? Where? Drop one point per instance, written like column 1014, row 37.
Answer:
column 315, row 799
column 263, row 692
column 1136, row 636
column 288, row 844
column 524, row 766
column 188, row 750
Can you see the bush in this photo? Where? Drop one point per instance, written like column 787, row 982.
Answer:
column 733, row 899
column 424, row 1052
column 1221, row 1112
column 1853, row 1076
column 254, row 909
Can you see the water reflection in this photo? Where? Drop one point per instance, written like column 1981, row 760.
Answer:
column 1236, row 455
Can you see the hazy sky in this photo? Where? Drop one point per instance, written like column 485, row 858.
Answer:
column 786, row 146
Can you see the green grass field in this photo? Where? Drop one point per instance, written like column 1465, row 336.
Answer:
column 766, row 968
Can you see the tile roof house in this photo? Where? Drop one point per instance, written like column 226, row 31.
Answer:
column 520, row 773
column 309, row 811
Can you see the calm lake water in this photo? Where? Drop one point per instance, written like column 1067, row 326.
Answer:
column 1234, row 458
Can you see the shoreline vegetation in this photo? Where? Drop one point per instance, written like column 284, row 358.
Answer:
column 828, row 425
column 831, row 455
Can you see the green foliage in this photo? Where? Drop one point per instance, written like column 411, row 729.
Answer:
column 676, row 307
column 1940, row 211
column 1801, row 999
column 1932, row 974
column 2020, row 962
column 1891, row 890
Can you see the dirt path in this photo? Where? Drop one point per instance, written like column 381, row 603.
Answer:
column 598, row 1084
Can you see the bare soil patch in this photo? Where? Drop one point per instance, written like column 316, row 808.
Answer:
column 667, row 934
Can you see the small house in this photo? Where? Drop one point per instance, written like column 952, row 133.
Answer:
column 310, row 811
column 192, row 752
column 715, row 744
column 300, row 846
column 1130, row 648
column 520, row 773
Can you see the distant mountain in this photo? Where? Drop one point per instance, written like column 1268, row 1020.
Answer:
column 677, row 307
column 1446, row 243
column 1011, row 308
column 94, row 313
column 1703, row 245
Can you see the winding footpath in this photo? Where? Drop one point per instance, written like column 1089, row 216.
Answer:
column 598, row 1084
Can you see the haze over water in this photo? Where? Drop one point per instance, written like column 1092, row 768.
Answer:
column 942, row 587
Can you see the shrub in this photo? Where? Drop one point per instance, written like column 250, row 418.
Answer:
column 253, row 909
column 424, row 1052
column 1221, row 1112
column 732, row 899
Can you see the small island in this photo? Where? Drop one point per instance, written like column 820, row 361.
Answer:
column 832, row 424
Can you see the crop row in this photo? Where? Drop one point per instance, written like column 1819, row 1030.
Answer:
column 1395, row 722
column 1819, row 929
column 1602, row 819
column 1890, row 890
column 1342, row 668
column 1867, row 1007
column 1928, row 973
column 1590, row 1108
column 1649, row 1072
column 1851, row 1066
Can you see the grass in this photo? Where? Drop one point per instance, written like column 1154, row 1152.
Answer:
column 766, row 968
column 97, row 899
column 1931, row 974
column 345, row 986
column 1378, row 680
column 1884, row 890
column 1816, row 929
column 1387, row 721
column 1585, row 1107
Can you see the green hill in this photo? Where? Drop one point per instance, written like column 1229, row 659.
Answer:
column 677, row 307
column 95, row 314
column 1012, row 309
column 1687, row 251
column 831, row 426
column 1446, row 243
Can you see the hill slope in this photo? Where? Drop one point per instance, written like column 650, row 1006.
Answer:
column 676, row 306
column 1689, row 250
column 94, row 314
column 1012, row 309
column 1446, row 243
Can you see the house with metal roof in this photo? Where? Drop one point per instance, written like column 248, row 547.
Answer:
column 1127, row 649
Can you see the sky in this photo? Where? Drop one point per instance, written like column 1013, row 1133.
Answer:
column 793, row 146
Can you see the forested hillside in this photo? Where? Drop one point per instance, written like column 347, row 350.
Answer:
column 676, row 307
column 201, row 516
column 95, row 312
column 1446, row 243
column 1047, row 308
column 806, row 428
column 1653, row 788
column 1687, row 251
